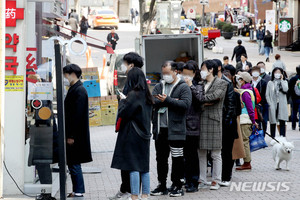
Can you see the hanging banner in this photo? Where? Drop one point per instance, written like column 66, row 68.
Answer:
column 14, row 83
column 255, row 11
column 271, row 21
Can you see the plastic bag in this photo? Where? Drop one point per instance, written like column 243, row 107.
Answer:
column 257, row 140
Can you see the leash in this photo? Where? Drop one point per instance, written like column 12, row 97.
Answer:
column 272, row 137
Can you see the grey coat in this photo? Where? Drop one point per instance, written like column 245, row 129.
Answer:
column 211, row 117
column 271, row 99
column 178, row 103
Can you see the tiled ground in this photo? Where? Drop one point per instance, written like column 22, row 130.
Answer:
column 101, row 186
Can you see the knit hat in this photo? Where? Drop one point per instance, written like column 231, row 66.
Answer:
column 245, row 76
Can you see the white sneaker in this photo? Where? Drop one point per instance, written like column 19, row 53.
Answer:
column 225, row 183
column 202, row 185
column 214, row 186
column 120, row 195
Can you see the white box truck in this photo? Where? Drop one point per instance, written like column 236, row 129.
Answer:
column 156, row 49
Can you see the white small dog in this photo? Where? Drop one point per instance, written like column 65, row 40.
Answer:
column 282, row 151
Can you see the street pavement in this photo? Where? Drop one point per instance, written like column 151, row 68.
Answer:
column 101, row 186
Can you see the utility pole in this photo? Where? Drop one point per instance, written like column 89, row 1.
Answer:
column 203, row 15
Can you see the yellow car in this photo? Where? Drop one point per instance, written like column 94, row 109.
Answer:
column 103, row 19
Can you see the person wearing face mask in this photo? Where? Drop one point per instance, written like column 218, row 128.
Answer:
column 130, row 60
column 247, row 118
column 211, row 124
column 173, row 97
column 191, row 75
column 228, row 134
column 78, row 147
column 276, row 93
column 261, row 86
column 179, row 68
column 263, row 73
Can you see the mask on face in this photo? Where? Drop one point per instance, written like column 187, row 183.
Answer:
column 168, row 78
column 180, row 76
column 203, row 74
column 66, row 82
column 255, row 74
column 262, row 70
column 188, row 77
column 277, row 76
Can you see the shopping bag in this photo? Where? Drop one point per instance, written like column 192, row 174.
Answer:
column 257, row 140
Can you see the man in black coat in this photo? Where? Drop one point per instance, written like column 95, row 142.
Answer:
column 173, row 97
column 228, row 135
column 112, row 38
column 238, row 51
column 77, row 128
column 295, row 97
column 244, row 64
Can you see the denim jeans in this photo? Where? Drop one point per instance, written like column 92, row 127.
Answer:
column 260, row 46
column 77, row 178
column 267, row 51
column 296, row 110
column 135, row 182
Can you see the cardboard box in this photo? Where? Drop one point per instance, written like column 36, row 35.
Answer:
column 94, row 111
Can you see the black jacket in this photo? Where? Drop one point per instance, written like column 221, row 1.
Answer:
column 262, row 88
column 229, row 102
column 193, row 114
column 109, row 38
column 132, row 150
column 77, row 125
column 238, row 51
column 292, row 84
column 268, row 41
column 177, row 103
column 266, row 77
column 239, row 66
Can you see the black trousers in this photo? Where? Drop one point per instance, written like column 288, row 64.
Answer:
column 282, row 128
column 227, row 145
column 125, row 185
column 191, row 160
column 163, row 148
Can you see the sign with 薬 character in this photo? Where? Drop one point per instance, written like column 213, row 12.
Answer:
column 12, row 13
column 14, row 83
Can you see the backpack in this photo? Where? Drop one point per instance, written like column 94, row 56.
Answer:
column 84, row 25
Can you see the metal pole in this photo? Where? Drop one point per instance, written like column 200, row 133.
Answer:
column 203, row 16
column 61, row 124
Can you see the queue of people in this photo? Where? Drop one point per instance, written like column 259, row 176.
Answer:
column 201, row 116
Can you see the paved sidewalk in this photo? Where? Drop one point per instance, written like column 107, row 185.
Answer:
column 101, row 186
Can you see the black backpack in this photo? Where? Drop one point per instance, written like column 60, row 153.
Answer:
column 84, row 25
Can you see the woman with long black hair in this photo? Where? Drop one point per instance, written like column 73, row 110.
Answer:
column 191, row 75
column 132, row 150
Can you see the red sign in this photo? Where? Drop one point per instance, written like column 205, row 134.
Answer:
column 9, row 65
column 30, row 65
column 191, row 11
column 36, row 104
column 14, row 39
column 12, row 13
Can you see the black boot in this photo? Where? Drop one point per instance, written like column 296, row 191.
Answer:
column 237, row 162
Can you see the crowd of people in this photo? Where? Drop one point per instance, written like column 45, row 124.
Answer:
column 200, row 115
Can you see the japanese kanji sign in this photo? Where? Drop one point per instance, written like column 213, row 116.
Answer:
column 12, row 13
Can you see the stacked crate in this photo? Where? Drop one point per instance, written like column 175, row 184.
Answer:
column 109, row 109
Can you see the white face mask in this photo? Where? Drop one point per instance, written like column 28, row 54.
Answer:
column 255, row 74
column 262, row 70
column 277, row 76
column 203, row 74
column 66, row 82
column 188, row 77
column 168, row 78
column 180, row 76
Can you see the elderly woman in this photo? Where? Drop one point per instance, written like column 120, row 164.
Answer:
column 276, row 97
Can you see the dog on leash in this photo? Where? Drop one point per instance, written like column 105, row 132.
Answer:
column 282, row 151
